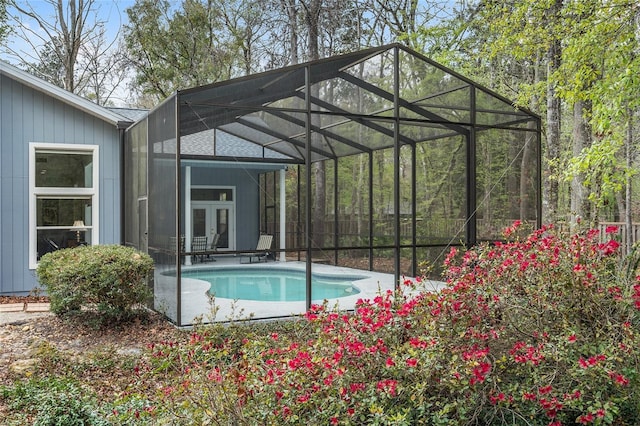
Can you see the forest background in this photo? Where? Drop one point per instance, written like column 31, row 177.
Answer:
column 575, row 63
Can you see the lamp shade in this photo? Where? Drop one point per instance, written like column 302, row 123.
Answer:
column 78, row 224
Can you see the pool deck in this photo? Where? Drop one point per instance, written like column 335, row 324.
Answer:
column 197, row 304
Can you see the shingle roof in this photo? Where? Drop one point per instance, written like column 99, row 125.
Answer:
column 131, row 114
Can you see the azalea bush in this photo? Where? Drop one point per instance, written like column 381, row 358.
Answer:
column 542, row 330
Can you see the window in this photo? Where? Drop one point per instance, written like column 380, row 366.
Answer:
column 63, row 203
column 211, row 194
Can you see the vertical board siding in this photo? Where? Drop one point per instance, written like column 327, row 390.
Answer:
column 28, row 115
column 110, row 207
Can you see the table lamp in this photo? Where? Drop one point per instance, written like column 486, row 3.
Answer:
column 79, row 225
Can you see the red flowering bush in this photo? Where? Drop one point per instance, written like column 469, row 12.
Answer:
column 539, row 331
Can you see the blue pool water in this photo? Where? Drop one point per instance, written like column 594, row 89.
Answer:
column 273, row 284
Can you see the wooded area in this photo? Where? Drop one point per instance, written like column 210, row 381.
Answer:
column 574, row 63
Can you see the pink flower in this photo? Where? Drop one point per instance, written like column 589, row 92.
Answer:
column 412, row 362
column 572, row 338
column 390, row 362
column 355, row 387
column 417, row 343
column 388, row 385
column 609, row 247
column 611, row 229
column 585, row 419
column 545, row 389
column 494, row 399
column 619, row 378
column 480, row 373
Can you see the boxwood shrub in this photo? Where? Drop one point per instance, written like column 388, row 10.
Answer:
column 111, row 278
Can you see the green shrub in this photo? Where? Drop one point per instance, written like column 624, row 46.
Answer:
column 111, row 278
column 52, row 402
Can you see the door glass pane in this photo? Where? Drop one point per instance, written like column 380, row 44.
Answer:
column 64, row 170
column 199, row 222
column 222, row 225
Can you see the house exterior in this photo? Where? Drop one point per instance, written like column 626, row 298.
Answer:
column 60, row 174
column 415, row 157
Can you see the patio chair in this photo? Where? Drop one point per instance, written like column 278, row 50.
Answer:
column 214, row 246
column 262, row 251
column 173, row 245
column 199, row 244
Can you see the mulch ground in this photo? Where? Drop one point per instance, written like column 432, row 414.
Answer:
column 76, row 335
column 23, row 299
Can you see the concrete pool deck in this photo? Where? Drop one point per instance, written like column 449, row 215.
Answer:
column 197, row 304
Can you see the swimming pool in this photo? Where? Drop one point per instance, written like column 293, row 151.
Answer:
column 273, row 284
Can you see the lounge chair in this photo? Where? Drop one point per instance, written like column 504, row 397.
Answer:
column 262, row 251
column 214, row 246
column 199, row 244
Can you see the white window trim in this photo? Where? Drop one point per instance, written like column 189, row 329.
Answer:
column 94, row 192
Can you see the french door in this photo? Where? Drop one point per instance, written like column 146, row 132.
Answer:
column 215, row 217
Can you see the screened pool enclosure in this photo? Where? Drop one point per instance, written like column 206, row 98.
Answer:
column 367, row 164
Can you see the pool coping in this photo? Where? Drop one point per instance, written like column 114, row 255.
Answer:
column 197, row 306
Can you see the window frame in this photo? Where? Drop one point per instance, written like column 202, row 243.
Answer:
column 61, row 192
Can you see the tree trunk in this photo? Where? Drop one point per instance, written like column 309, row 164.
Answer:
column 527, row 206
column 291, row 9
column 312, row 16
column 550, row 195
column 581, row 140
column 628, row 219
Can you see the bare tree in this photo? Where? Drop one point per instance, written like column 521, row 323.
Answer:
column 4, row 28
column 104, row 72
column 68, row 46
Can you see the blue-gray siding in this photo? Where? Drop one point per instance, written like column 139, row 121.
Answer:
column 27, row 115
